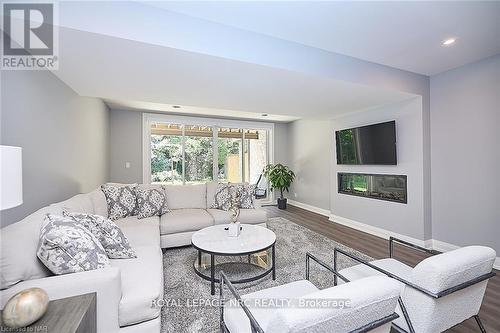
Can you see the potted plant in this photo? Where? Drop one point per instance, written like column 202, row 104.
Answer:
column 281, row 177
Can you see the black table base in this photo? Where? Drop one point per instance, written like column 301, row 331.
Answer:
column 213, row 280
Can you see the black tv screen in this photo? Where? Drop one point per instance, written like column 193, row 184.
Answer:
column 372, row 144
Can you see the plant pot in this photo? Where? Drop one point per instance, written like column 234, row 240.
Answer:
column 282, row 203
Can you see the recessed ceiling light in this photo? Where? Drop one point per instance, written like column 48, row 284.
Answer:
column 449, row 41
column 176, row 106
column 264, row 115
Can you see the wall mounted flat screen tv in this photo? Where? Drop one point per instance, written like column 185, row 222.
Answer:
column 372, row 144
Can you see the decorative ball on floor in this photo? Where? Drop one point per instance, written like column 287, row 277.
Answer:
column 25, row 307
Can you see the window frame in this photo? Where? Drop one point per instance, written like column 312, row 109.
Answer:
column 149, row 118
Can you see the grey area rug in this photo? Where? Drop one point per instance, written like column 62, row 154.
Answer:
column 187, row 306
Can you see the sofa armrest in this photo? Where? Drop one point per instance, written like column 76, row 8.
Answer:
column 106, row 283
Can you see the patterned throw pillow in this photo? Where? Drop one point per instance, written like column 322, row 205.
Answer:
column 151, row 202
column 222, row 198
column 67, row 247
column 246, row 193
column 121, row 200
column 110, row 236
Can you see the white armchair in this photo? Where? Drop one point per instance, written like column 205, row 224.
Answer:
column 367, row 305
column 437, row 294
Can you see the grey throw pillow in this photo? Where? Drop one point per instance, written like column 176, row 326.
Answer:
column 111, row 237
column 222, row 198
column 121, row 200
column 246, row 195
column 151, row 202
column 67, row 247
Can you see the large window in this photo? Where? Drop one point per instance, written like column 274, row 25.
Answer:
column 188, row 150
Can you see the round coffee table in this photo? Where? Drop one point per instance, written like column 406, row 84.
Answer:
column 214, row 241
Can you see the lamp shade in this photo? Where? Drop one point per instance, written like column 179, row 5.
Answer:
column 11, row 173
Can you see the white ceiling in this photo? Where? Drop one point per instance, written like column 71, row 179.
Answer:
column 404, row 35
column 229, row 59
column 152, row 77
column 187, row 110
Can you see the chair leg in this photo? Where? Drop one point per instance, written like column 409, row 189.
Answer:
column 480, row 324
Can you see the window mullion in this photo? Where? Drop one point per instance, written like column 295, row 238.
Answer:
column 183, row 154
column 243, row 155
column 215, row 150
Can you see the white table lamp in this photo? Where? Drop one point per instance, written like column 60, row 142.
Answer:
column 11, row 177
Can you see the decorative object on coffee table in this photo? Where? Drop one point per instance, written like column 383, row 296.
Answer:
column 25, row 307
column 281, row 178
column 234, row 226
column 79, row 313
column 215, row 241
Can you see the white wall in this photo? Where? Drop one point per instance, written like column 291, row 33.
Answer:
column 406, row 219
column 310, row 150
column 65, row 138
column 465, row 136
column 126, row 145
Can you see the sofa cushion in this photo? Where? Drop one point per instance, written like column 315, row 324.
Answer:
column 151, row 202
column 252, row 216
column 18, row 260
column 142, row 283
column 140, row 232
column 66, row 246
column 220, row 216
column 223, row 197
column 186, row 196
column 181, row 220
column 121, row 200
column 112, row 239
column 246, row 195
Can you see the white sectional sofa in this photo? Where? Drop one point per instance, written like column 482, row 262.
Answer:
column 191, row 212
column 127, row 290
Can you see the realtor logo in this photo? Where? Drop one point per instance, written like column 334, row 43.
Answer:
column 29, row 36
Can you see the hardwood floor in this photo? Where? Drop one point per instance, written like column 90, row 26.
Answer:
column 378, row 248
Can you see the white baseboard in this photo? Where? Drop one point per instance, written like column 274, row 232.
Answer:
column 433, row 244
column 310, row 208
column 379, row 232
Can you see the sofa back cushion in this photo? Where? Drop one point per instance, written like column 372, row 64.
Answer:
column 80, row 203
column 211, row 190
column 366, row 300
column 18, row 260
column 186, row 196
column 99, row 203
